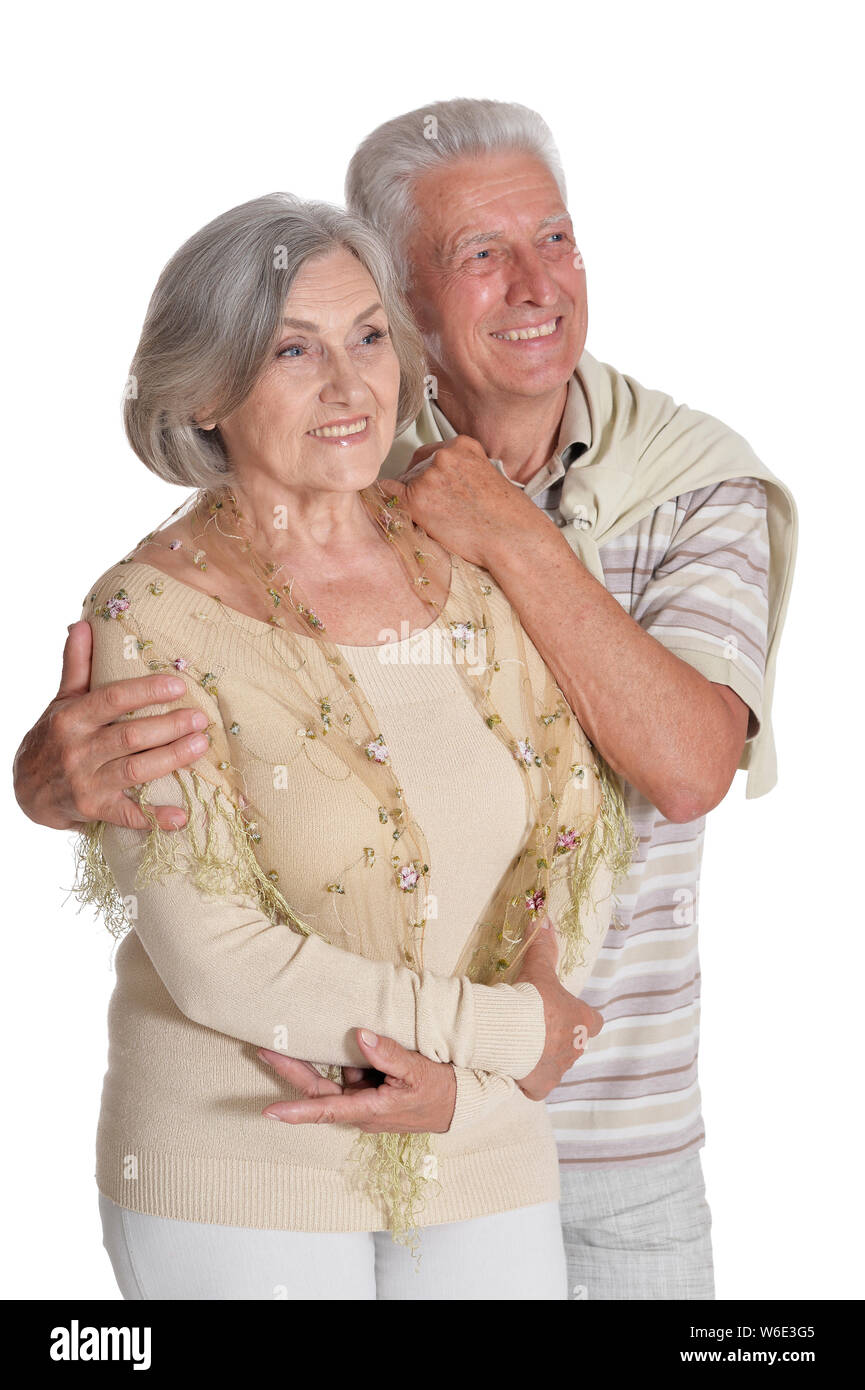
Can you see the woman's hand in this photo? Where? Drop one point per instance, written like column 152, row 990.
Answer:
column 402, row 1092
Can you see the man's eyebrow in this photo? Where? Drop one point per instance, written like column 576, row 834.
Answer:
column 313, row 327
column 474, row 240
column 478, row 237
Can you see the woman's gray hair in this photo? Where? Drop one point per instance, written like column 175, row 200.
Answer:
column 378, row 183
column 215, row 315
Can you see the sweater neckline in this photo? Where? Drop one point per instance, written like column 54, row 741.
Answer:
column 246, row 621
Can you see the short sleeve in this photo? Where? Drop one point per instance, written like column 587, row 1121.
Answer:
column 707, row 599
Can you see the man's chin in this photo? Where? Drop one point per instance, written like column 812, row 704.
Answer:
column 531, row 382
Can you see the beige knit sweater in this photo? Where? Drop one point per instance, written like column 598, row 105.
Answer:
column 203, row 980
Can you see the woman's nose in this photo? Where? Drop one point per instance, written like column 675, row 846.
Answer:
column 342, row 382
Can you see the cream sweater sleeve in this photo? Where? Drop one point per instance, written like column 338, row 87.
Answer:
column 228, row 967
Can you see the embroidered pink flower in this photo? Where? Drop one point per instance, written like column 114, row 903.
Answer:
column 461, row 633
column 566, row 839
column 377, row 751
column 535, row 902
column 408, row 878
column 180, row 663
column 524, row 752
column 116, row 605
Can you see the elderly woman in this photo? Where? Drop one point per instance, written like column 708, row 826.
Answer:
column 377, row 831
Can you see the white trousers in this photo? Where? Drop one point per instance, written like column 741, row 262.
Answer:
column 513, row 1255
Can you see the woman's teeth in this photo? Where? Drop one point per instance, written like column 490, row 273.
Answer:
column 518, row 334
column 339, row 431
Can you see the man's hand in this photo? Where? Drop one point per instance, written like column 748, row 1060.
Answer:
column 569, row 1022
column 402, row 1093
column 465, row 503
column 73, row 765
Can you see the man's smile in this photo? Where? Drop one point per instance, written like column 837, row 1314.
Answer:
column 528, row 332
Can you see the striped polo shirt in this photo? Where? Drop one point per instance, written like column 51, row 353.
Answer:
column 694, row 574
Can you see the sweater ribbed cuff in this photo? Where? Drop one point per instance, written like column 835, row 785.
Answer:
column 510, row 1031
column 477, row 1093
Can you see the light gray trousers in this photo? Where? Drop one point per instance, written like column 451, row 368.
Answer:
column 638, row 1233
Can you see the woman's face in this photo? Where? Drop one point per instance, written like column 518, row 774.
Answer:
column 323, row 413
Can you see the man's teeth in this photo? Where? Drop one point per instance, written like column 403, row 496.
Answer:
column 338, row 431
column 518, row 334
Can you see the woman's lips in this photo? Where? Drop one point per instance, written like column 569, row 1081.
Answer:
column 342, row 431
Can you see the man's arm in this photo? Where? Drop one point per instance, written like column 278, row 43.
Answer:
column 658, row 721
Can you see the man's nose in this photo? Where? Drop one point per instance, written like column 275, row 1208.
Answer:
column 530, row 281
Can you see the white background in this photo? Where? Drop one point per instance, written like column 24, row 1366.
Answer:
column 714, row 163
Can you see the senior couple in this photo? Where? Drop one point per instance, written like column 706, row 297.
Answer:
column 436, row 916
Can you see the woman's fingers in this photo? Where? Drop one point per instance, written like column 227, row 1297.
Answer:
column 300, row 1074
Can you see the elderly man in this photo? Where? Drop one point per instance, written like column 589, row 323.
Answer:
column 649, row 554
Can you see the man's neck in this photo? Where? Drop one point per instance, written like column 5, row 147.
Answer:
column 520, row 430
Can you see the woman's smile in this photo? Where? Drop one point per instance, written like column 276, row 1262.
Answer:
column 343, row 432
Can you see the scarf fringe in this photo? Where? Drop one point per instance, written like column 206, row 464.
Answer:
column 612, row 843
column 197, row 849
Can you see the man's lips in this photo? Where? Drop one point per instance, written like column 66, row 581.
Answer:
column 528, row 332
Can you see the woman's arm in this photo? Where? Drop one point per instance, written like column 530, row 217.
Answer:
column 228, row 967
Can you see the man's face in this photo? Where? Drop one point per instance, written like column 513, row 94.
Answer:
column 494, row 256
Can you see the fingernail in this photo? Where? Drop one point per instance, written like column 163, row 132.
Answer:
column 271, row 1116
column 370, row 1039
column 200, row 720
column 199, row 744
column 175, row 686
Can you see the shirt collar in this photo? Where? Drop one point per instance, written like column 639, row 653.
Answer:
column 575, row 437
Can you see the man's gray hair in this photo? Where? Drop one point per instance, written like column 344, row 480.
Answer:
column 378, row 183
column 214, row 318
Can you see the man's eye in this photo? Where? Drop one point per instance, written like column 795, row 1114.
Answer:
column 290, row 350
column 478, row 255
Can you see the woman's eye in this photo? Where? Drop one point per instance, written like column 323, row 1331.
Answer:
column 293, row 349
column 375, row 335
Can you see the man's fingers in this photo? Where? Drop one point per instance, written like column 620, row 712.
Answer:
column 106, row 704
column 300, row 1074
column 420, row 461
column 122, row 762
column 595, row 1022
column 543, row 949
column 77, row 652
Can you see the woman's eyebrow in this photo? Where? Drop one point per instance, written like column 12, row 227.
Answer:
column 313, row 327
